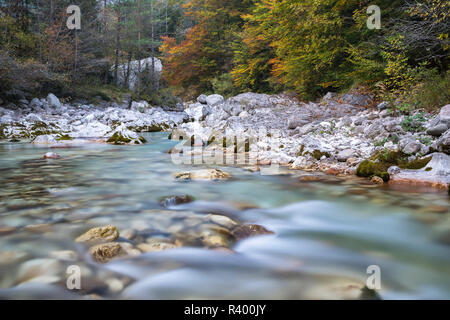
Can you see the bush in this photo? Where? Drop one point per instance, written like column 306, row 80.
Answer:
column 224, row 85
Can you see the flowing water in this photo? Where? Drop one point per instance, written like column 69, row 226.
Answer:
column 326, row 233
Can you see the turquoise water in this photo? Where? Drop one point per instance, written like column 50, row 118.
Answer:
column 327, row 232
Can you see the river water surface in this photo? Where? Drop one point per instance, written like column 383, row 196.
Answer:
column 326, row 233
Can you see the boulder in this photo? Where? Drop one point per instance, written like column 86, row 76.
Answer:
column 444, row 115
column 202, row 99
column 383, row 106
column 330, row 96
column 198, row 111
column 298, row 120
column 437, row 130
column 436, row 173
column 410, row 146
column 443, row 144
column 53, row 101
column 214, row 100
column 356, row 99
column 33, row 118
column 139, row 106
column 345, row 154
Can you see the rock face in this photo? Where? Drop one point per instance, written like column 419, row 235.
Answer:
column 146, row 66
column 100, row 234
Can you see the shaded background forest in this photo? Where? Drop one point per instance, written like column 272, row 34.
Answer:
column 307, row 47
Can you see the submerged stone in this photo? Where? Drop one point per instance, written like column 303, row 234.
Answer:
column 205, row 175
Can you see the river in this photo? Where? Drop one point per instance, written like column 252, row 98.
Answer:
column 327, row 232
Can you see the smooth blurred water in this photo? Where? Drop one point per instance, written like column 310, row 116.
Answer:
column 327, row 233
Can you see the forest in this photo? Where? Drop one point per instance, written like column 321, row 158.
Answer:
column 307, row 47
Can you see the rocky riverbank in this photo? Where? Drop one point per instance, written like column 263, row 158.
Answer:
column 343, row 134
column 334, row 135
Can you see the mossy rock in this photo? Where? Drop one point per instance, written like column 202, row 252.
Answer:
column 416, row 164
column 369, row 169
column 2, row 132
column 118, row 139
column 39, row 126
column 317, row 154
column 400, row 159
column 64, row 137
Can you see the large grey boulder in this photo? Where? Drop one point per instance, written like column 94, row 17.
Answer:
column 410, row 146
column 356, row 99
column 250, row 100
column 435, row 173
column 53, row 101
column 437, row 130
column 374, row 130
column 146, row 66
column 214, row 100
column 298, row 120
column 202, row 99
column 198, row 111
column 444, row 115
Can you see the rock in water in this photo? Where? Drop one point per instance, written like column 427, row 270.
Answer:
column 207, row 174
column 100, row 234
column 51, row 155
column 249, row 230
column 155, row 247
column 377, row 180
column 175, row 200
column 105, row 252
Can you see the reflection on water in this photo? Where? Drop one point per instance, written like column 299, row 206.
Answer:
column 327, row 232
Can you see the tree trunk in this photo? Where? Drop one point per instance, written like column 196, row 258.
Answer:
column 139, row 51
column 116, row 69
